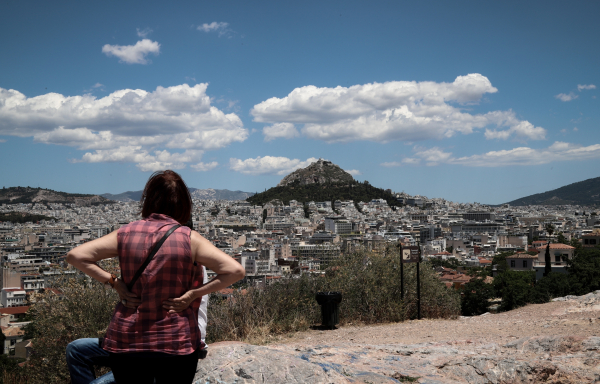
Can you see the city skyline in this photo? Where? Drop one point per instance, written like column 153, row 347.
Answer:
column 466, row 101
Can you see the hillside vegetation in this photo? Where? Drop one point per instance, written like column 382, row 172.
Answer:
column 354, row 190
column 585, row 192
column 28, row 195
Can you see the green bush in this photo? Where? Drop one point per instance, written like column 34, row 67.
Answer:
column 83, row 310
column 475, row 299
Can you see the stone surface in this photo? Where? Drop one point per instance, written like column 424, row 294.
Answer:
column 555, row 344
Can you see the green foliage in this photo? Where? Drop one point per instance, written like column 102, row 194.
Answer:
column 370, row 288
column 584, row 271
column 11, row 372
column 84, row 310
column 500, row 261
column 20, row 218
column 514, row 287
column 323, row 192
column 475, row 298
column 449, row 263
column 551, row 286
column 561, row 238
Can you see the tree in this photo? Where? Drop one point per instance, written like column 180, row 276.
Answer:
column 549, row 228
column 514, row 287
column 562, row 239
column 475, row 298
column 264, row 215
column 547, row 261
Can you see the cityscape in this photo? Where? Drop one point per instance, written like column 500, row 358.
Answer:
column 280, row 241
column 434, row 164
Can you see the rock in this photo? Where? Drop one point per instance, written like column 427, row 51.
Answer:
column 232, row 362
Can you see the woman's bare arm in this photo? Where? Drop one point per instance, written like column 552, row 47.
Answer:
column 205, row 253
column 85, row 257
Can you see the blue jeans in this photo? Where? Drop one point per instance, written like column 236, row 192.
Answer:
column 82, row 355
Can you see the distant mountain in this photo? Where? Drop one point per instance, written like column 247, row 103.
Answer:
column 322, row 181
column 125, row 196
column 27, row 195
column 219, row 194
column 585, row 192
column 204, row 194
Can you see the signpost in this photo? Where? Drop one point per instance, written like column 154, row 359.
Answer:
column 411, row 254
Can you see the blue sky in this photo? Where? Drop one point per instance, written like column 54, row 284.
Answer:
column 468, row 101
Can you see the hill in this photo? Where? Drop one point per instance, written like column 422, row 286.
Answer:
column 204, row 194
column 27, row 195
column 322, row 181
column 319, row 172
column 585, row 192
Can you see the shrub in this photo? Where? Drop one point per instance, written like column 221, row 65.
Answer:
column 475, row 299
column 370, row 287
column 83, row 310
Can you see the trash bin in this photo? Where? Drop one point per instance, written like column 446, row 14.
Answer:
column 329, row 308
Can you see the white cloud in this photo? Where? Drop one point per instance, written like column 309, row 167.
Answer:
column 203, row 167
column 280, row 130
column 143, row 32
column 353, row 172
column 575, row 129
column 559, row 151
column 216, row 26
column 144, row 160
column 397, row 110
column 97, row 85
column 133, row 54
column 566, row 97
column 269, row 165
column 581, row 87
column 2, row 141
column 178, row 117
column 521, row 131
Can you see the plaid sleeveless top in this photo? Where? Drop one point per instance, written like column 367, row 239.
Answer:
column 150, row 328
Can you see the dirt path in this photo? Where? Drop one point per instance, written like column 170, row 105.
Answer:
column 556, row 318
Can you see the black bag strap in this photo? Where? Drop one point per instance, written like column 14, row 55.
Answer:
column 151, row 256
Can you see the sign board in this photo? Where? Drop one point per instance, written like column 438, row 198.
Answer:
column 410, row 254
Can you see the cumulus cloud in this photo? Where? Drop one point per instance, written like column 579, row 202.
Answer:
column 178, row 117
column 581, row 87
column 203, row 167
column 353, row 172
column 269, row 165
column 133, row 54
column 280, row 131
column 144, row 160
column 559, row 151
column 382, row 112
column 216, row 26
column 566, row 97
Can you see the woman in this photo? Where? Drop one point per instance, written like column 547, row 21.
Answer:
column 153, row 334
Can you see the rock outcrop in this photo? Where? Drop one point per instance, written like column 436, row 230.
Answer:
column 319, row 172
column 560, row 343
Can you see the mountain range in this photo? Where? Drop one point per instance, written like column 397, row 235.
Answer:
column 203, row 194
column 585, row 192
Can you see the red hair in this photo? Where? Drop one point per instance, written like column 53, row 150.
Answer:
column 166, row 193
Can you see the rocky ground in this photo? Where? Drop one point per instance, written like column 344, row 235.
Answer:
column 558, row 342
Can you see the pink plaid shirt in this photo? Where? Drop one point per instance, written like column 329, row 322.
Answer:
column 150, row 328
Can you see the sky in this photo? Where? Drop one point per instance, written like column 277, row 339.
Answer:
column 469, row 101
